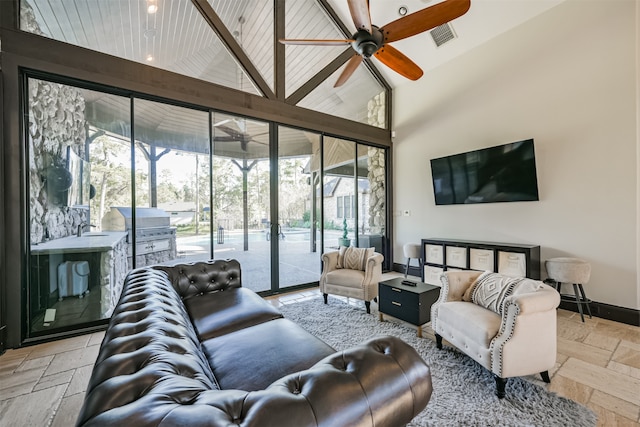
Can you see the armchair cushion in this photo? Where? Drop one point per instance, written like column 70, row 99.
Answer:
column 354, row 258
column 346, row 277
column 491, row 290
column 481, row 330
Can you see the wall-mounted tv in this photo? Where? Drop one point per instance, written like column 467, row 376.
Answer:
column 505, row 173
column 78, row 194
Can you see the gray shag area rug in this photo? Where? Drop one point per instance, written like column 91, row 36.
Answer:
column 463, row 391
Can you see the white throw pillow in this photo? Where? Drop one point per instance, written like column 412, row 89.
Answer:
column 491, row 289
column 354, row 258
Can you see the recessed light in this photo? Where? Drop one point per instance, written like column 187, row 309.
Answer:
column 149, row 58
column 402, row 10
column 152, row 8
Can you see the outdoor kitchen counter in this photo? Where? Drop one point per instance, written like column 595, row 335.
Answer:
column 88, row 242
column 106, row 252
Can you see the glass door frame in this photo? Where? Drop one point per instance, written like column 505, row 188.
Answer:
column 273, row 185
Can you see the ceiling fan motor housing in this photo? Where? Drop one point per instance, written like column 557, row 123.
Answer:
column 365, row 43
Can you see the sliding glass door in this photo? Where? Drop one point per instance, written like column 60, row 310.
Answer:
column 171, row 152
column 340, row 192
column 297, row 230
column 240, row 206
column 355, row 196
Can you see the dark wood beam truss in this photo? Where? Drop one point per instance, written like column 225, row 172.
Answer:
column 320, row 76
column 236, row 50
column 279, row 48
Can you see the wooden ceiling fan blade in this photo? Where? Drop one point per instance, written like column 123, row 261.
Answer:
column 348, row 70
column 312, row 42
column 229, row 131
column 399, row 62
column 258, row 142
column 425, row 19
column 222, row 122
column 360, row 14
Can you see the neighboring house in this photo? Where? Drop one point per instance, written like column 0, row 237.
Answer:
column 340, row 203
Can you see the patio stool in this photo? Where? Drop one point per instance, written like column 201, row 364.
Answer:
column 411, row 250
column 570, row 270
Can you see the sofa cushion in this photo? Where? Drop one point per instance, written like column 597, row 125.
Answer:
column 490, row 290
column 253, row 358
column 470, row 320
column 218, row 313
column 354, row 258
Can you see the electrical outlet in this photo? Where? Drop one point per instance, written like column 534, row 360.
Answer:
column 406, row 212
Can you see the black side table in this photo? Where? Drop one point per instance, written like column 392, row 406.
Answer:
column 411, row 304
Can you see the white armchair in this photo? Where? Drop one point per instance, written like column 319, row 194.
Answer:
column 351, row 272
column 506, row 324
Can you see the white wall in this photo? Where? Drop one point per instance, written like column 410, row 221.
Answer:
column 568, row 78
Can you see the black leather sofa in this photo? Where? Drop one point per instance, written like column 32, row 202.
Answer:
column 188, row 346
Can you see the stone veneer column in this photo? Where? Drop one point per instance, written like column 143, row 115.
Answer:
column 113, row 269
column 376, row 165
column 56, row 121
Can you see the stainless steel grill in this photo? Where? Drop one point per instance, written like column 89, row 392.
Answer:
column 155, row 239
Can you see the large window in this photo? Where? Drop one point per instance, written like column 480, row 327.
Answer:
column 346, row 206
column 179, row 185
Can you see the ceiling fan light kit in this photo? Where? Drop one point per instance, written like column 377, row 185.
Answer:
column 371, row 40
column 365, row 43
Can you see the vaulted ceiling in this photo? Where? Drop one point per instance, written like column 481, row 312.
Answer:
column 177, row 35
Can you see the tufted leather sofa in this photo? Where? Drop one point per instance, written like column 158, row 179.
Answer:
column 188, row 346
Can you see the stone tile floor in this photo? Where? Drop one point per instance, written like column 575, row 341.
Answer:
column 598, row 365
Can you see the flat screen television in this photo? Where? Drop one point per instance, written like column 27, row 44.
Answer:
column 80, row 172
column 505, row 173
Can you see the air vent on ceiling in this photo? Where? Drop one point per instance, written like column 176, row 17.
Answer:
column 442, row 34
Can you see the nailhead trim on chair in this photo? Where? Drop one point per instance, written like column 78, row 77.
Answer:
column 444, row 291
column 512, row 314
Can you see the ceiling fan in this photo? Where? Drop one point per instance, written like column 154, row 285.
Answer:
column 241, row 136
column 371, row 40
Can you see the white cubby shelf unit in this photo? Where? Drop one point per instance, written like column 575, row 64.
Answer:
column 511, row 259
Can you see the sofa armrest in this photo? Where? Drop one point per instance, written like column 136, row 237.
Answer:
column 526, row 342
column 544, row 299
column 374, row 260
column 373, row 269
column 383, row 382
column 329, row 261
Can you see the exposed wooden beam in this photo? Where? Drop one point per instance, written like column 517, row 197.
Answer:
column 9, row 14
column 237, row 51
column 279, row 48
column 50, row 56
column 320, row 76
